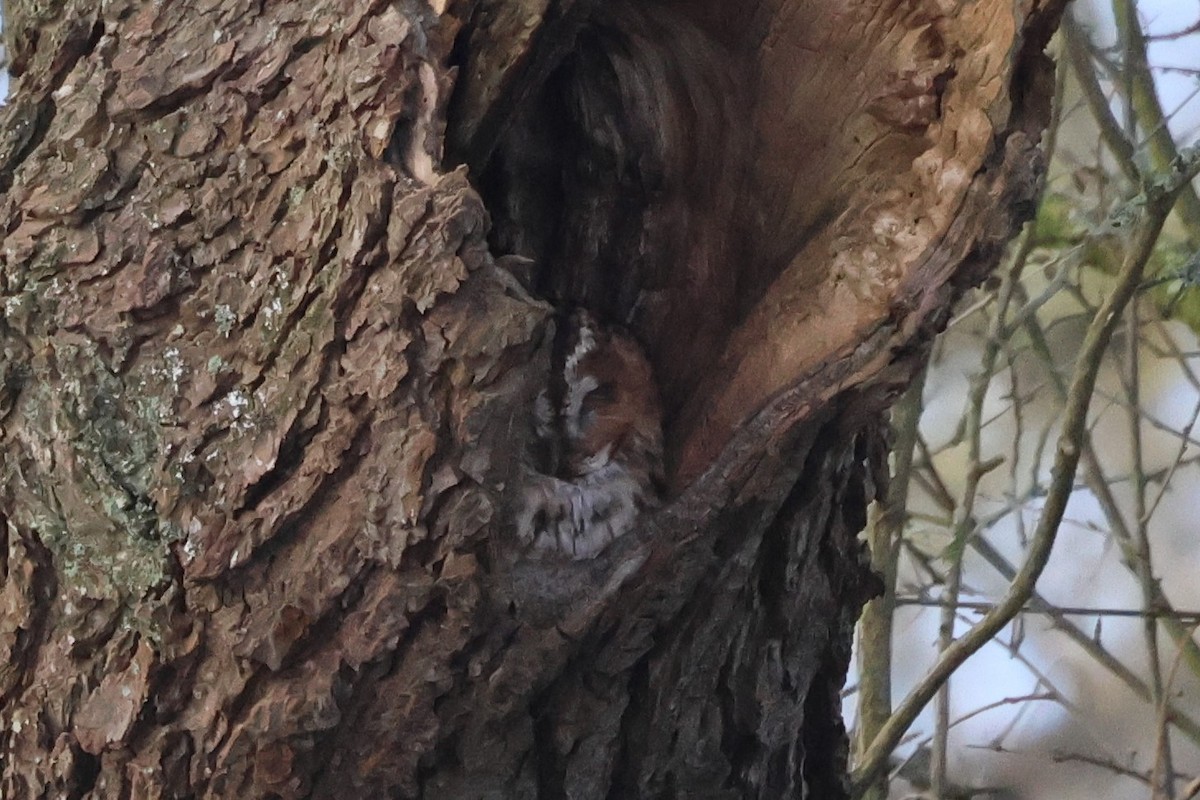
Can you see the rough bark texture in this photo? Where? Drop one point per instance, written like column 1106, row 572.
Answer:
column 265, row 389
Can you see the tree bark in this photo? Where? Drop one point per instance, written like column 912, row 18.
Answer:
column 266, row 390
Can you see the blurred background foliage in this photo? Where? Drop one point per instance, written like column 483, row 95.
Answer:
column 1091, row 686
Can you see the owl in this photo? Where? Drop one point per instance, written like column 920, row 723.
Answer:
column 599, row 427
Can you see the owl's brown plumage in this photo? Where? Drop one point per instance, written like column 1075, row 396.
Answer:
column 606, row 427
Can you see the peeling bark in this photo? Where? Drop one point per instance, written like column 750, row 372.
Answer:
column 266, row 391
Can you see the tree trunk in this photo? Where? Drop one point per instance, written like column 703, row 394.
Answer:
column 266, row 395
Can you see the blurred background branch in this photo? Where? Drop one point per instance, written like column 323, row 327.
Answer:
column 1082, row 353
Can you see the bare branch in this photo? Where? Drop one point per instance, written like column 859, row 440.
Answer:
column 1157, row 205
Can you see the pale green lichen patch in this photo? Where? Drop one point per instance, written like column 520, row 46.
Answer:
column 226, row 318
column 103, row 562
column 99, row 521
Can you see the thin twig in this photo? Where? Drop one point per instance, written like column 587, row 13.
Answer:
column 1069, row 611
column 1110, row 129
column 884, row 535
column 1144, row 567
column 1142, row 99
column 1164, row 730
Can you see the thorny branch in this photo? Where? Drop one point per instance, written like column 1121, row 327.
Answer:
column 1154, row 204
column 1142, row 148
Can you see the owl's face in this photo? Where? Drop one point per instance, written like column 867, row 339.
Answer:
column 601, row 423
column 610, row 407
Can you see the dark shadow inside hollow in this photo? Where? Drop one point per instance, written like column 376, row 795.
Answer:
column 623, row 177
